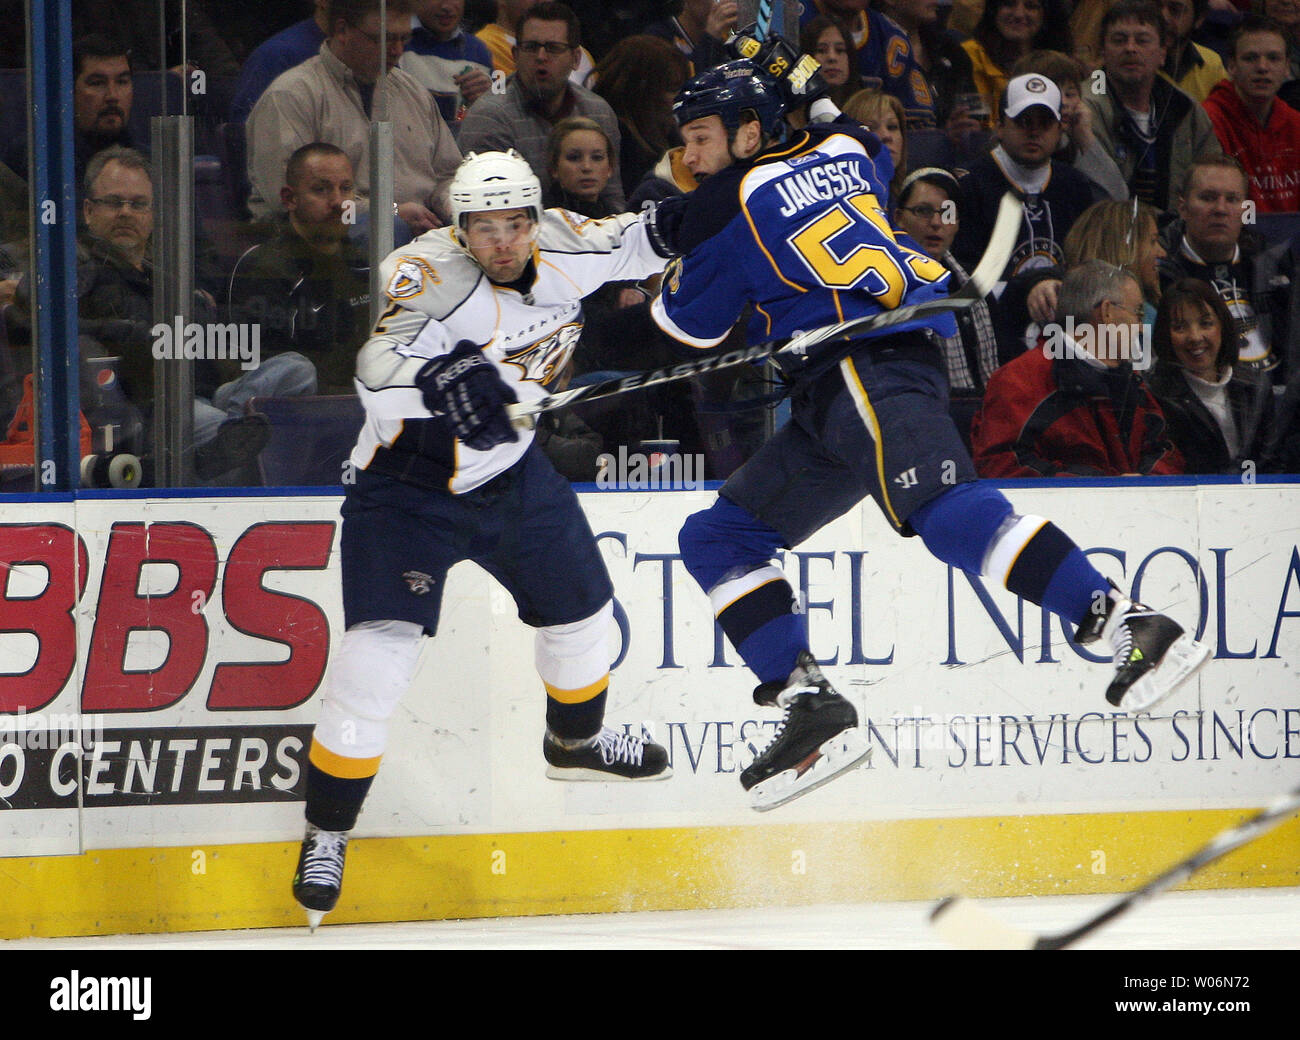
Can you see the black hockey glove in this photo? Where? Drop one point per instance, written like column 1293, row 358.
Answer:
column 663, row 225
column 795, row 75
column 464, row 388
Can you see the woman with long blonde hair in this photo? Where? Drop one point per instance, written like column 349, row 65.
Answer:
column 1123, row 234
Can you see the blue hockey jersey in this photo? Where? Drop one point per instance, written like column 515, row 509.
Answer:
column 799, row 233
column 885, row 61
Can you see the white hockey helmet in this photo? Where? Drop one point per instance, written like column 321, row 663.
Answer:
column 494, row 180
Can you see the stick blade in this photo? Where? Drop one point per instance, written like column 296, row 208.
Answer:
column 1002, row 241
column 966, row 925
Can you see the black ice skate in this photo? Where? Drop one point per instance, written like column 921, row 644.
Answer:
column 319, row 876
column 1153, row 655
column 609, row 755
column 817, row 740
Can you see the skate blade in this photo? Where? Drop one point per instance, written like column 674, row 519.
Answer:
column 844, row 751
column 1181, row 660
column 597, row 776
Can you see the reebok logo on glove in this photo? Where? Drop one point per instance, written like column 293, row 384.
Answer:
column 466, row 391
column 448, row 376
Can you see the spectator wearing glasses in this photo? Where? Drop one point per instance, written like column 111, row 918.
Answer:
column 1076, row 407
column 538, row 96
column 501, row 36
column 115, row 291
column 329, row 98
column 926, row 209
column 1123, row 234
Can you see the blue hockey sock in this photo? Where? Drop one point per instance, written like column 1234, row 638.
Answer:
column 729, row 553
column 771, row 650
column 974, row 527
column 1073, row 585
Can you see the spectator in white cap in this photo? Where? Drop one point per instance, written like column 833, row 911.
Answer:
column 1054, row 194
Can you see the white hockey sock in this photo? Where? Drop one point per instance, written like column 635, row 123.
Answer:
column 574, row 658
column 374, row 666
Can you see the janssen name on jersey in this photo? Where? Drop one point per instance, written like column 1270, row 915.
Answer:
column 807, row 187
column 436, row 296
column 803, row 235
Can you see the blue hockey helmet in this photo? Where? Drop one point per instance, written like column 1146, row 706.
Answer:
column 728, row 91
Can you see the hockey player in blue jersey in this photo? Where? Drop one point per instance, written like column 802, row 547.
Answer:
column 796, row 229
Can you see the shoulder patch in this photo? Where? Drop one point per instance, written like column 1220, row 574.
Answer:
column 576, row 221
column 673, row 275
column 410, row 277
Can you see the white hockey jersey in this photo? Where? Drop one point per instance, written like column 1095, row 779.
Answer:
column 436, row 296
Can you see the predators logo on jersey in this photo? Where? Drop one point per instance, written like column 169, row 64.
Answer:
column 544, row 360
column 409, row 278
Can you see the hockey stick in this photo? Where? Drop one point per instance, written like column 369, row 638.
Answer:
column 763, row 19
column 967, row 926
column 1006, row 230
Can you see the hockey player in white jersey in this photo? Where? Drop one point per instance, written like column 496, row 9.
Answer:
column 479, row 315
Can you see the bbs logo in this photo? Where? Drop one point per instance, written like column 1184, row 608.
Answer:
column 544, row 360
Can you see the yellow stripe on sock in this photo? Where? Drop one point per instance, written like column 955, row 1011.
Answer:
column 340, row 766
column 577, row 696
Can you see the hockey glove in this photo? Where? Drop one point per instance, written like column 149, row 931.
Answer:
column 465, row 389
column 795, row 75
column 663, row 225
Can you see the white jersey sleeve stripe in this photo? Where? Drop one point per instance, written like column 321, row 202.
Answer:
column 660, row 316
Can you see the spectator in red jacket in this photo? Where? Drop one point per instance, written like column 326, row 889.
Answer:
column 1254, row 125
column 1076, row 407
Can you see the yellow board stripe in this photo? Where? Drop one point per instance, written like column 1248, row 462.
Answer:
column 577, row 696
column 338, row 765
column 868, row 415
column 443, row 877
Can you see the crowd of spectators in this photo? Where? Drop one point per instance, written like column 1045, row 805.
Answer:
column 1154, row 146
